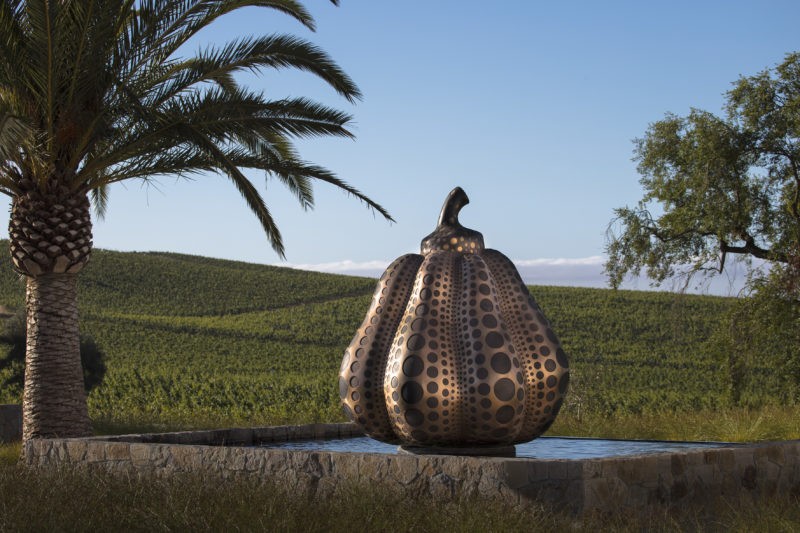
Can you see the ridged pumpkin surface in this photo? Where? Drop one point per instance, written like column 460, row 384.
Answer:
column 454, row 350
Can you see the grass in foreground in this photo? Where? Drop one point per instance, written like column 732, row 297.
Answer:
column 198, row 503
column 79, row 500
column 725, row 425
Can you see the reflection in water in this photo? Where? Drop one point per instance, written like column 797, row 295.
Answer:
column 541, row 448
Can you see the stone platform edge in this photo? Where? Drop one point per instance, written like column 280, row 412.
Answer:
column 631, row 483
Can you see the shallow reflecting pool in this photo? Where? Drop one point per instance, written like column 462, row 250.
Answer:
column 541, row 448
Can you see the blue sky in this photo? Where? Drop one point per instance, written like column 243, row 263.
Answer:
column 531, row 107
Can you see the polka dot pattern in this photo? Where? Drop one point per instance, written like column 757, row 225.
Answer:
column 454, row 350
column 545, row 366
column 421, row 372
column 361, row 377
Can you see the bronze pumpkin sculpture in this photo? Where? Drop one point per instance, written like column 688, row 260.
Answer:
column 454, row 351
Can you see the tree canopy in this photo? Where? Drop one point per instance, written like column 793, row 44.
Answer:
column 96, row 92
column 716, row 187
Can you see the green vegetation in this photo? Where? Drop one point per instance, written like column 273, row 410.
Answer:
column 198, row 342
column 192, row 503
column 716, row 188
column 109, row 91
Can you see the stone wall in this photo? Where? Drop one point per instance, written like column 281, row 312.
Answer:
column 10, row 422
column 626, row 483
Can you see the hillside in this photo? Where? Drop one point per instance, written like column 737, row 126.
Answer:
column 192, row 338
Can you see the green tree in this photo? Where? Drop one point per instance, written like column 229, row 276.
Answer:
column 94, row 92
column 719, row 187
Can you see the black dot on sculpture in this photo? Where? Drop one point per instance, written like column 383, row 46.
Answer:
column 354, row 367
column 421, row 310
column 551, row 336
column 412, row 366
column 551, row 381
column 432, row 372
column 432, row 402
column 501, row 363
column 419, row 435
column 411, row 392
column 505, row 414
column 353, row 381
column 425, row 294
column 487, row 305
column 484, row 289
column 343, row 388
column 494, row 339
column 482, row 373
column 550, row 365
column 500, row 432
column 414, row 417
column 489, row 321
column 418, row 325
column 544, row 350
column 562, row 358
column 416, row 342
column 394, row 382
column 484, row 389
column 563, row 384
column 504, row 389
column 557, row 406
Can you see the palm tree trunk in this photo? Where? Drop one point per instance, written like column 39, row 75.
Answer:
column 54, row 400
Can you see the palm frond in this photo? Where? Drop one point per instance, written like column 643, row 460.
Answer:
column 98, row 90
column 99, row 196
column 251, row 196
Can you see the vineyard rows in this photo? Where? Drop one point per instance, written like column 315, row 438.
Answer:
column 191, row 338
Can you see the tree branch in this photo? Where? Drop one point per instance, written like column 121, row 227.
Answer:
column 751, row 248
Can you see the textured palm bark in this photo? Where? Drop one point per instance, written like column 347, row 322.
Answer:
column 54, row 400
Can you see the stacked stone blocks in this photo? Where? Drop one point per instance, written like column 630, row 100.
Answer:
column 632, row 483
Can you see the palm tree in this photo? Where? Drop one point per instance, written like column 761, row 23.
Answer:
column 95, row 92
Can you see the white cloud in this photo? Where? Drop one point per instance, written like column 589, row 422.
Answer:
column 565, row 271
column 561, row 261
column 344, row 267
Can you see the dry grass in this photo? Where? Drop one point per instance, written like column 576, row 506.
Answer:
column 727, row 425
column 47, row 500
column 9, row 453
column 61, row 500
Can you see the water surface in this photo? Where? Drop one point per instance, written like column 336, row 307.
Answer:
column 541, row 448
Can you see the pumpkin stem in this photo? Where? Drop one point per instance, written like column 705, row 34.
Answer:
column 449, row 234
column 452, row 206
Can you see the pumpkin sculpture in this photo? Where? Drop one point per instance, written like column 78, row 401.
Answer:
column 454, row 351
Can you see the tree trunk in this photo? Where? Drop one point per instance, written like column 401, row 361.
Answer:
column 54, row 400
